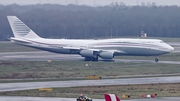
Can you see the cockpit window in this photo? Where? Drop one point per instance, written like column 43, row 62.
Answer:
column 161, row 42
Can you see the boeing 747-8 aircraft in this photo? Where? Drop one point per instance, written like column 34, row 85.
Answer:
column 89, row 49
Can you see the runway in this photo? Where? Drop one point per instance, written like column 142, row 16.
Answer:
column 37, row 56
column 11, row 98
column 78, row 83
column 44, row 56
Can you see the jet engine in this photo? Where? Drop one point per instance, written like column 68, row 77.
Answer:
column 107, row 55
column 86, row 53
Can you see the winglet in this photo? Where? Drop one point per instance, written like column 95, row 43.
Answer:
column 20, row 29
column 111, row 97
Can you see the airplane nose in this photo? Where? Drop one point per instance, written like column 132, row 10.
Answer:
column 171, row 49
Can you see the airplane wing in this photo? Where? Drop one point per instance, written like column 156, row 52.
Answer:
column 72, row 48
column 97, row 51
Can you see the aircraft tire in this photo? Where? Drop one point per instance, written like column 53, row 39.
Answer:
column 90, row 59
column 94, row 59
column 156, row 59
column 85, row 59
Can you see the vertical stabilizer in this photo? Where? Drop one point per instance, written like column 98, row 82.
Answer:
column 19, row 29
column 111, row 97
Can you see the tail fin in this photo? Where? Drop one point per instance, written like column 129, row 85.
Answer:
column 20, row 29
column 111, row 97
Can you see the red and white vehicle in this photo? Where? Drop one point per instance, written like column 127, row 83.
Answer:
column 111, row 97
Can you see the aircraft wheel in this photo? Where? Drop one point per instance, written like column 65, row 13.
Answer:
column 91, row 59
column 95, row 59
column 86, row 59
column 157, row 59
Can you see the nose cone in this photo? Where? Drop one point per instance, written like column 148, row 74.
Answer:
column 170, row 48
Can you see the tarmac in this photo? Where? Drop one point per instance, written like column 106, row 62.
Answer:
column 78, row 83
column 44, row 56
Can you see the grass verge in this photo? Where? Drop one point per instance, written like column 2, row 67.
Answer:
column 74, row 69
column 135, row 91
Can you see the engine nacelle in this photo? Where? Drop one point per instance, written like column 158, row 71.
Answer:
column 107, row 55
column 86, row 53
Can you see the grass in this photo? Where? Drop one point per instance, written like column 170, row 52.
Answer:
column 74, row 69
column 135, row 91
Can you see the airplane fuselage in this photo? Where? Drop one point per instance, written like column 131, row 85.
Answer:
column 90, row 49
column 135, row 47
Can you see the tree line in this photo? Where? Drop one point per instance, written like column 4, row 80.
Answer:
column 73, row 21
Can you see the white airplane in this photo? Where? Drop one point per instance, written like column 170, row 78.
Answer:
column 90, row 49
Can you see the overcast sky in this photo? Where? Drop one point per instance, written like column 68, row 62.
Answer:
column 91, row 2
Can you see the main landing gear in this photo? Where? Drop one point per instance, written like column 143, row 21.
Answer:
column 156, row 59
column 91, row 58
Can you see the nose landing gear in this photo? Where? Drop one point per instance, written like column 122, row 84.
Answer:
column 156, row 59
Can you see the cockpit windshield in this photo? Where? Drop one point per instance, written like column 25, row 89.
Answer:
column 161, row 42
